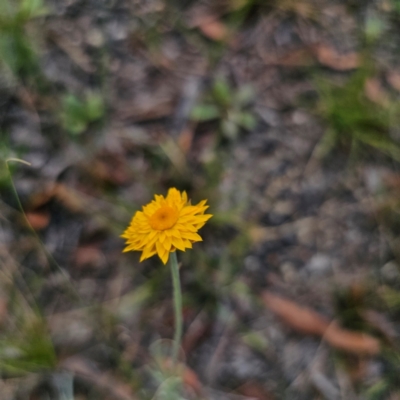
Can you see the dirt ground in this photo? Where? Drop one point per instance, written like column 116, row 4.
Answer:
column 284, row 115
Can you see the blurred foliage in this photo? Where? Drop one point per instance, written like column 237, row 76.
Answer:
column 374, row 27
column 396, row 5
column 5, row 152
column 28, row 350
column 378, row 391
column 169, row 384
column 227, row 106
column 354, row 121
column 390, row 384
column 78, row 113
column 391, row 298
column 16, row 47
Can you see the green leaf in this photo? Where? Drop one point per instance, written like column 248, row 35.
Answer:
column 205, row 112
column 222, row 92
column 391, row 297
column 244, row 95
column 230, row 129
column 77, row 114
column 247, row 120
column 378, row 391
column 32, row 351
column 73, row 114
column 73, row 106
column 374, row 27
column 170, row 389
column 94, row 107
column 256, row 341
column 7, row 54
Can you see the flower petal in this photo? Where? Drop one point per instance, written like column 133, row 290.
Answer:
column 191, row 236
column 165, row 257
column 187, row 243
column 147, row 253
column 162, row 236
column 178, row 243
column 167, row 243
column 160, row 250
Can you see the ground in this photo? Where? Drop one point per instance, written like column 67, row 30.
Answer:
column 283, row 115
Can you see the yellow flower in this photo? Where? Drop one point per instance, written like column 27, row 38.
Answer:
column 166, row 224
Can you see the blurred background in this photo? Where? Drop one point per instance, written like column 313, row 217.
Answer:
column 284, row 114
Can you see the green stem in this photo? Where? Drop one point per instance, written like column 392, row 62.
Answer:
column 173, row 262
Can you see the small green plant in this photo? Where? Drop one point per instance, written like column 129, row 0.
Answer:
column 396, row 6
column 5, row 153
column 29, row 350
column 354, row 121
column 228, row 107
column 16, row 49
column 77, row 114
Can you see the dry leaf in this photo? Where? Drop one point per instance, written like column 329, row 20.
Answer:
column 259, row 234
column 329, row 57
column 154, row 109
column 109, row 167
column 191, row 379
column 28, row 99
column 354, row 342
column 69, row 198
column 298, row 58
column 88, row 256
column 38, row 219
column 303, row 9
column 210, row 25
column 254, row 390
column 185, row 139
column 213, row 29
column 392, row 180
column 375, row 92
column 393, row 78
column 300, row 318
column 41, row 198
column 295, row 58
column 64, row 194
column 308, row 321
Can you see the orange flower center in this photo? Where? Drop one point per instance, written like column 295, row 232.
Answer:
column 164, row 218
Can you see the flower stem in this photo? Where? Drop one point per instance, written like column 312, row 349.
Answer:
column 173, row 262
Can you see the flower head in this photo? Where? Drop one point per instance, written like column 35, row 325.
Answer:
column 166, row 224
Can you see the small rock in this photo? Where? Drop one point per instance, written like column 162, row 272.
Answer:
column 319, row 264
column 300, row 118
column 285, row 207
column 390, row 271
column 95, row 38
column 280, row 213
column 289, row 272
column 374, row 179
column 116, row 30
column 252, row 263
column 306, row 231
